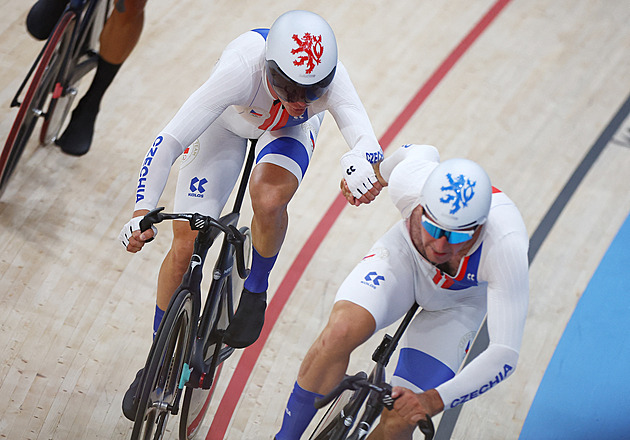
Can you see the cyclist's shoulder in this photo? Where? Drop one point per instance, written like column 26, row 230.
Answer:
column 504, row 217
column 249, row 47
column 254, row 38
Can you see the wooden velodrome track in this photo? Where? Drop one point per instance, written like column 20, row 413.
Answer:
column 527, row 97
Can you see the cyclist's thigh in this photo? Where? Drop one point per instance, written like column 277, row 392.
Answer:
column 383, row 281
column 209, row 170
column 436, row 342
column 290, row 147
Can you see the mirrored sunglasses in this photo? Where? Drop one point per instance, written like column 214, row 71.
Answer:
column 453, row 237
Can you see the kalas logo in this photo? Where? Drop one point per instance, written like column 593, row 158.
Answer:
column 312, row 48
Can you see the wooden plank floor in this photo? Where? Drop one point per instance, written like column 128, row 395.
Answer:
column 527, row 100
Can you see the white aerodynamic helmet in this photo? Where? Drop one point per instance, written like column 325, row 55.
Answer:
column 301, row 56
column 457, row 194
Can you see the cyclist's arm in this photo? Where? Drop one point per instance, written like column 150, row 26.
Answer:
column 406, row 170
column 508, row 290
column 343, row 102
column 409, row 153
column 230, row 83
column 346, row 107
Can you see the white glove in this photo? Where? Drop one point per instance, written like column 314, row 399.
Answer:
column 358, row 172
column 127, row 230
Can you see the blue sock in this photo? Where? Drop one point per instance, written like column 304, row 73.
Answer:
column 298, row 413
column 258, row 279
column 157, row 319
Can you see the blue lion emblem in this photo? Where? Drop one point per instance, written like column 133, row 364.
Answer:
column 461, row 191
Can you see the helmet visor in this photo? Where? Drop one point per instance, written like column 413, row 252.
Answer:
column 290, row 91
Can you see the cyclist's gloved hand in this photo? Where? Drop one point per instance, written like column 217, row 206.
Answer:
column 134, row 242
column 359, row 176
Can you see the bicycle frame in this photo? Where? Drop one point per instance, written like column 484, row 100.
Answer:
column 197, row 369
column 381, row 356
column 373, row 388
column 84, row 10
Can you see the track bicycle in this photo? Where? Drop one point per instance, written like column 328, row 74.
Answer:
column 372, row 393
column 68, row 55
column 188, row 350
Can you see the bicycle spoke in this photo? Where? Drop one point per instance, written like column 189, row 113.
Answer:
column 35, row 98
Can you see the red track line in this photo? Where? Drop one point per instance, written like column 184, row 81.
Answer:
column 250, row 355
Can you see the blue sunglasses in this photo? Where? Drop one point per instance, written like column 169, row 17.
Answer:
column 453, row 237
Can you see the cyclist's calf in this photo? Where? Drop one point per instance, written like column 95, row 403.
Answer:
column 175, row 263
column 327, row 360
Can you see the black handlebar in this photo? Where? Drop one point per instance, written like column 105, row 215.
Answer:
column 348, row 383
column 384, row 391
column 202, row 223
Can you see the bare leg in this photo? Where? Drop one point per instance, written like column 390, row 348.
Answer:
column 271, row 188
column 122, row 31
column 392, row 427
column 175, row 263
column 118, row 38
column 326, row 362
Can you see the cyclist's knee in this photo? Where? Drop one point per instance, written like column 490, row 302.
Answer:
column 271, row 190
column 349, row 326
column 395, row 427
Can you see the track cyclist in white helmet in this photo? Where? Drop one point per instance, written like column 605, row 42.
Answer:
column 273, row 85
column 460, row 252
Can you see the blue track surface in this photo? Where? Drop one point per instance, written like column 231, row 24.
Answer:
column 585, row 392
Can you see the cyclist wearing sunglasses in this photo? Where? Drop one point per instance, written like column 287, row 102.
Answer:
column 460, row 252
column 273, row 85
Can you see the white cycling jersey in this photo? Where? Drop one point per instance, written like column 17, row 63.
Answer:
column 492, row 279
column 236, row 103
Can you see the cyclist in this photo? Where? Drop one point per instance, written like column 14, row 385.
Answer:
column 119, row 36
column 273, row 85
column 459, row 252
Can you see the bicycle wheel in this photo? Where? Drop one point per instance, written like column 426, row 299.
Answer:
column 65, row 91
column 160, row 386
column 195, row 407
column 36, row 96
column 335, row 424
column 197, row 400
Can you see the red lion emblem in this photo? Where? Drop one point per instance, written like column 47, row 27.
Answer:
column 312, row 47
